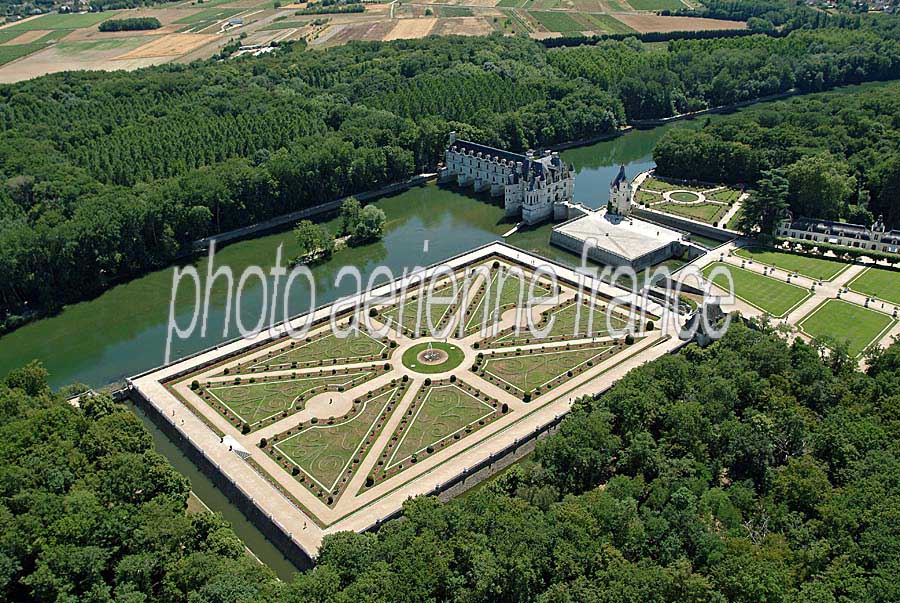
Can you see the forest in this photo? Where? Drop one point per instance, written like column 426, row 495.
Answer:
column 838, row 152
column 751, row 470
column 109, row 175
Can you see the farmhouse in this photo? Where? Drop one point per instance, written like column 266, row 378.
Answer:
column 876, row 238
column 532, row 186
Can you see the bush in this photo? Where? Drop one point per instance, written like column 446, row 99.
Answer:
column 245, row 429
column 195, row 384
column 650, row 325
column 629, row 339
column 263, row 442
column 427, row 381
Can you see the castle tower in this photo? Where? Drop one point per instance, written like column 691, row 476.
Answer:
column 620, row 194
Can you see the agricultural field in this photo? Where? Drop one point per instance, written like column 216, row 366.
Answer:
column 11, row 53
column 648, row 22
column 879, row 283
column 656, row 4
column 774, row 297
column 198, row 31
column 841, row 321
column 557, row 21
column 62, row 21
column 824, row 269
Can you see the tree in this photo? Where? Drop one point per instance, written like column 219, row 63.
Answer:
column 764, row 207
column 350, row 213
column 313, row 240
column 370, row 226
column 818, row 186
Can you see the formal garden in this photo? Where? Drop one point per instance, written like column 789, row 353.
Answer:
column 707, row 203
column 774, row 297
column 837, row 321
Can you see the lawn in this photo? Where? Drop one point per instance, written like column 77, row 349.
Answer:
column 656, row 4
column 325, row 453
column 527, row 372
column 60, row 21
column 878, row 282
column 773, row 297
column 557, row 21
column 735, row 222
column 662, row 186
column 842, row 321
column 709, row 213
column 327, row 348
column 444, row 411
column 11, row 53
column 642, row 196
column 815, row 268
column 253, row 403
column 455, row 357
column 685, row 196
column 726, row 195
column 573, row 321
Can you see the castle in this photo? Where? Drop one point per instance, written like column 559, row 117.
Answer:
column 537, row 188
column 620, row 194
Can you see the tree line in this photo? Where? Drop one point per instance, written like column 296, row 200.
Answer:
column 832, row 156
column 752, row 470
column 130, row 24
column 108, row 175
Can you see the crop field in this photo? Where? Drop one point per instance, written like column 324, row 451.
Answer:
column 656, row 4
column 557, row 21
column 878, row 282
column 824, row 269
column 11, row 53
column 842, row 321
column 774, row 297
column 604, row 23
column 648, row 22
column 62, row 21
column 210, row 15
